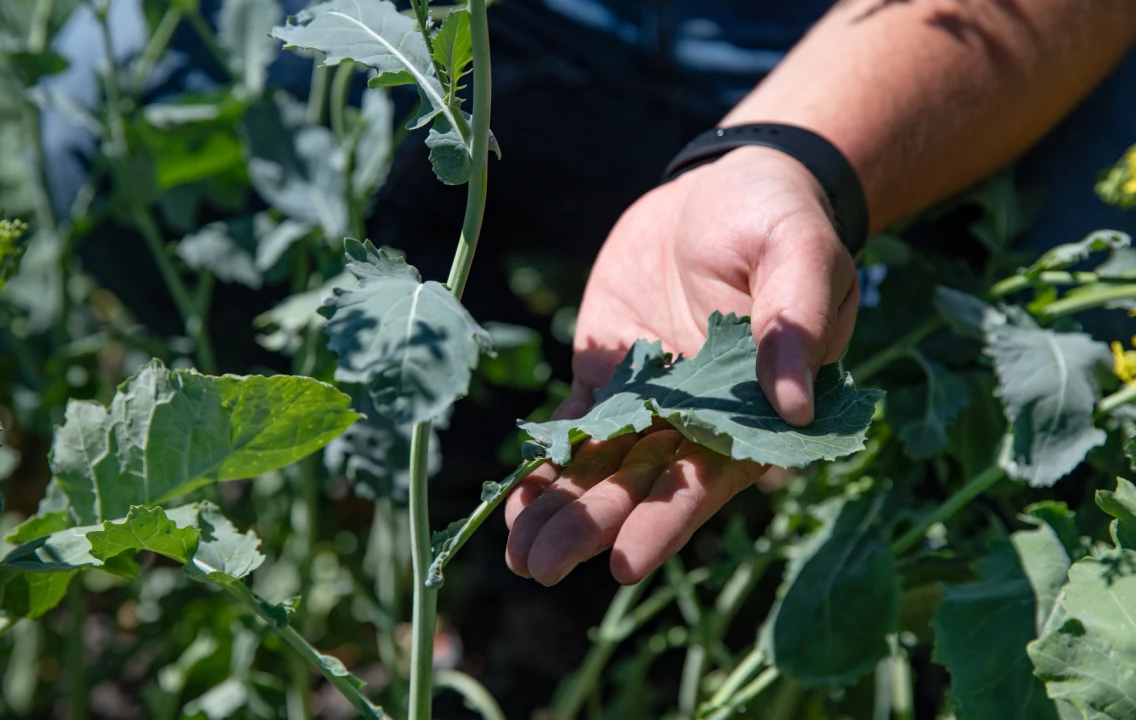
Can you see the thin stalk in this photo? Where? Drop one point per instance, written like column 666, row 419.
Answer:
column 340, row 86
column 300, row 693
column 479, row 156
column 37, row 38
column 978, row 485
column 895, row 351
column 383, row 553
column 209, row 38
column 317, row 93
column 7, row 623
column 1090, row 300
column 425, row 598
column 1018, row 283
column 1109, row 403
column 566, row 705
column 750, row 665
column 476, row 697
column 696, row 652
column 902, row 702
column 194, row 324
column 342, row 683
column 757, row 686
column 76, row 668
column 660, row 600
column 157, row 45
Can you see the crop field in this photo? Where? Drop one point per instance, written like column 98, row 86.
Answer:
column 252, row 462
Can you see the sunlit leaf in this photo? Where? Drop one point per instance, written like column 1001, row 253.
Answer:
column 243, row 28
column 216, row 248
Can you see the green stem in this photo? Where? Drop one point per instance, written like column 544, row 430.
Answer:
column 344, row 684
column 1109, row 403
column 157, row 45
column 476, row 697
column 300, row 693
column 1089, row 300
column 209, row 39
column 479, row 149
column 750, row 665
column 383, row 554
column 978, row 485
column 696, row 652
column 897, row 350
column 194, row 323
column 566, row 705
column 660, row 600
column 340, row 86
column 317, row 93
column 746, row 695
column 1018, row 283
column 425, row 598
column 76, row 654
column 37, row 38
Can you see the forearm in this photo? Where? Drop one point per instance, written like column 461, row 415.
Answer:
column 928, row 96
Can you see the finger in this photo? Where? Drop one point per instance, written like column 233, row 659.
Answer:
column 588, row 526
column 692, row 488
column 801, row 286
column 528, row 490
column 594, row 461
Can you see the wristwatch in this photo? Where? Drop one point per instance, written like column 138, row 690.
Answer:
column 827, row 164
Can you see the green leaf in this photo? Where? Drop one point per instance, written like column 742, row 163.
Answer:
column 31, row 595
column 11, row 249
column 1063, row 256
column 1087, row 649
column 223, row 549
column 274, row 240
column 144, row 529
column 1121, row 505
column 297, row 168
column 292, row 320
column 170, row 432
column 714, row 400
column 975, row 438
column 374, row 453
column 412, row 344
column 1063, row 521
column 839, row 600
column 982, row 628
column 453, row 52
column 922, row 414
column 215, row 248
column 1048, row 384
column 375, row 148
column 243, row 28
column 965, row 314
column 448, row 154
column 376, row 34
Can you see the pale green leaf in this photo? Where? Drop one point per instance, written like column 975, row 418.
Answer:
column 274, row 239
column 297, row 168
column 219, row 702
column 243, row 29
column 412, row 344
column 223, row 549
column 839, row 600
column 375, row 147
column 448, row 154
column 922, row 414
column 1087, row 651
column 216, row 248
column 170, row 432
column 965, row 314
column 714, row 400
column 1048, row 384
column 982, row 628
column 1121, row 505
column 1063, row 256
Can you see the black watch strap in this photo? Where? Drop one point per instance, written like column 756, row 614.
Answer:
column 835, row 174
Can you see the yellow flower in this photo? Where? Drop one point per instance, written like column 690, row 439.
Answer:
column 1124, row 361
column 1130, row 159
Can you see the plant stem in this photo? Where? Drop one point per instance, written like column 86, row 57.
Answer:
column 340, row 85
column 344, row 684
column 76, row 654
column 1018, row 283
column 157, row 45
column 757, row 686
column 383, row 554
column 660, row 600
column 425, row 598
column 300, row 693
column 978, row 485
column 1090, row 300
column 1109, row 403
column 209, row 39
column 895, row 351
column 750, row 665
column 317, row 92
column 474, row 693
column 696, row 651
column 37, row 38
column 566, row 705
column 194, row 324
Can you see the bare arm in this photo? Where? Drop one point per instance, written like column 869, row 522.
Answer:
column 926, row 97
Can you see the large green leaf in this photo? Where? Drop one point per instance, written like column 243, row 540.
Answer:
column 1048, row 383
column 376, row 34
column 1121, row 505
column 296, row 167
column 244, row 28
column 170, row 432
column 411, row 343
column 1087, row 650
column 982, row 628
column 922, row 414
column 714, row 400
column 839, row 600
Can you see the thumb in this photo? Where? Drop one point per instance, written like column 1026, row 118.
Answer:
column 805, row 296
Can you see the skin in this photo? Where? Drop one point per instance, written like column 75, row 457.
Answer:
column 924, row 97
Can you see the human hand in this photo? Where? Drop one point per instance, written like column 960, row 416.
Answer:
column 749, row 233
